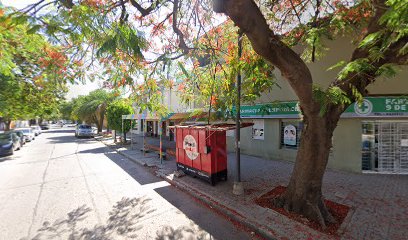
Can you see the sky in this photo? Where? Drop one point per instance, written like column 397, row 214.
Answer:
column 74, row 90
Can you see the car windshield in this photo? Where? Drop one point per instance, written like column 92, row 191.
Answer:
column 5, row 137
column 85, row 127
column 25, row 130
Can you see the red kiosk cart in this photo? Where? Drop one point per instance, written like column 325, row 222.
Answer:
column 201, row 150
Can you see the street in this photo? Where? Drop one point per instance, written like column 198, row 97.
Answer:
column 60, row 187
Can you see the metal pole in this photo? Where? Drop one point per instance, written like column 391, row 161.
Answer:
column 131, row 133
column 144, row 137
column 238, row 188
column 160, row 133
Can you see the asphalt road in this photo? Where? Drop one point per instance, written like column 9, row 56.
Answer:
column 60, row 187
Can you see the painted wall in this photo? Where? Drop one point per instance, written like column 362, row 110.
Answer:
column 268, row 148
column 345, row 155
column 341, row 49
column 346, row 152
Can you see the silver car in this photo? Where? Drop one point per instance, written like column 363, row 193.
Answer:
column 83, row 130
column 36, row 130
column 28, row 133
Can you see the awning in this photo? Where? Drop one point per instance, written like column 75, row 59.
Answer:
column 131, row 116
column 214, row 127
column 179, row 116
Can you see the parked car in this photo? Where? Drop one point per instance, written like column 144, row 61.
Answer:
column 20, row 134
column 83, row 130
column 28, row 133
column 44, row 126
column 36, row 130
column 9, row 142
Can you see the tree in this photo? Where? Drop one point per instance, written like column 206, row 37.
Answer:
column 92, row 107
column 212, row 77
column 66, row 108
column 383, row 44
column 31, row 71
column 114, row 114
column 273, row 28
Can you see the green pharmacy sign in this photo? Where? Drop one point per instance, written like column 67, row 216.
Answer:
column 370, row 107
column 271, row 110
column 379, row 107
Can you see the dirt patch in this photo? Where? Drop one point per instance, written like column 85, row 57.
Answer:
column 339, row 211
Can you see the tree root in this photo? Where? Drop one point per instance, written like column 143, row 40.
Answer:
column 316, row 211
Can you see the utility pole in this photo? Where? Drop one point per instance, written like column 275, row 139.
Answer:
column 238, row 188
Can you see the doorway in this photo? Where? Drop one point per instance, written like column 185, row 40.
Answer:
column 385, row 146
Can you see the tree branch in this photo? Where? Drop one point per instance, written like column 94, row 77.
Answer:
column 182, row 43
column 145, row 11
column 268, row 45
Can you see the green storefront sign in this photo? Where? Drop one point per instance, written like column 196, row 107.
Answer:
column 370, row 107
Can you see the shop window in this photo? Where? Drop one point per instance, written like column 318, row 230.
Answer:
column 369, row 146
column 290, row 134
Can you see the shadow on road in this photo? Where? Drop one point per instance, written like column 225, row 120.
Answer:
column 121, row 223
column 203, row 225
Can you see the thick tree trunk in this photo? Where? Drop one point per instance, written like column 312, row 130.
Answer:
column 303, row 194
column 8, row 125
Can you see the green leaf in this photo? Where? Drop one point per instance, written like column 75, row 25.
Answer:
column 339, row 64
column 387, row 70
column 34, row 29
column 370, row 40
column 183, row 69
column 358, row 66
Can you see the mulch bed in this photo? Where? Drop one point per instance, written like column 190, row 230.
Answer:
column 339, row 211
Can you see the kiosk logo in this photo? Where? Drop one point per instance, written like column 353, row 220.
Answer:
column 364, row 109
column 190, row 146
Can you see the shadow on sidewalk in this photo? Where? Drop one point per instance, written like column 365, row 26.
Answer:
column 122, row 222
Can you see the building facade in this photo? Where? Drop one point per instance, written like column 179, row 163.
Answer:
column 371, row 136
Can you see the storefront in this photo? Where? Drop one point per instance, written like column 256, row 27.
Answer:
column 371, row 136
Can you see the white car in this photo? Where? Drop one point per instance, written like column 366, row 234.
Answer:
column 36, row 130
column 83, row 130
column 28, row 133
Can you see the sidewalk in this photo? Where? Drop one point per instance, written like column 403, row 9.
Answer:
column 379, row 203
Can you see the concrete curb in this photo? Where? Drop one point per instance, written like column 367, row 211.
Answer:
column 255, row 227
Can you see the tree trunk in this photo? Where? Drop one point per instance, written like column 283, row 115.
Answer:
column 303, row 194
column 114, row 136
column 124, row 136
column 8, row 125
column 100, row 125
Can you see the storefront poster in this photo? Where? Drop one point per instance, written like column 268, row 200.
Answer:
column 258, row 129
column 190, row 146
column 289, row 135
